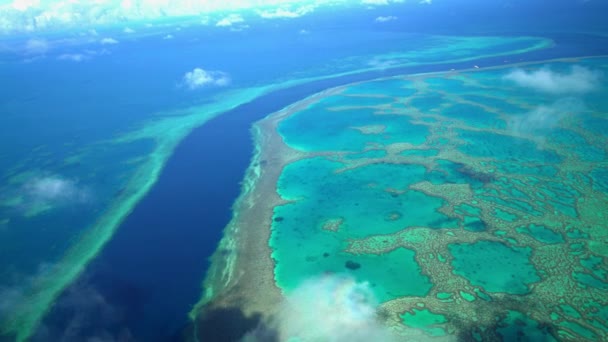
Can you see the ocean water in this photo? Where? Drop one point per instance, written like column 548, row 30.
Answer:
column 463, row 151
column 478, row 222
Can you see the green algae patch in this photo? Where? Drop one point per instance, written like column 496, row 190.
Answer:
column 426, row 321
column 578, row 329
column 541, row 233
column 600, row 179
column 585, row 280
column 444, row 296
column 474, row 224
column 467, row 296
column 596, row 266
column 494, row 266
column 504, row 215
column 519, row 327
column 482, row 295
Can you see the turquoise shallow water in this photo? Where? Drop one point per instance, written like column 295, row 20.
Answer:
column 492, row 201
column 358, row 208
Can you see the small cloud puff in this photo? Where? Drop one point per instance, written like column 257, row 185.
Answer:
column 54, row 189
column 37, row 47
column 108, row 41
column 578, row 80
column 383, row 19
column 44, row 193
column 380, row 2
column 198, row 78
column 374, row 2
column 128, row 30
column 230, row 20
column 73, row 57
column 382, row 64
column 285, row 13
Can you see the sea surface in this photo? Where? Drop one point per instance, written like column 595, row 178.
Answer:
column 117, row 177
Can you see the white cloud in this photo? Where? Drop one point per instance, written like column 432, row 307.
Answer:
column 43, row 193
column 578, row 80
column 128, row 30
column 382, row 19
column 379, row 63
column 108, row 41
column 169, row 36
column 24, row 5
column 285, row 13
column 330, row 308
column 427, row 2
column 230, row 20
column 37, row 15
column 381, row 2
column 198, row 78
column 546, row 117
column 74, row 57
column 304, row 32
column 55, row 189
column 37, row 46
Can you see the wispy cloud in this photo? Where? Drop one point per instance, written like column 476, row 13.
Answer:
column 198, row 78
column 546, row 117
column 286, row 13
column 578, row 80
column 36, row 46
column 383, row 19
column 35, row 15
column 108, row 41
column 73, row 57
column 330, row 308
column 230, row 20
column 381, row 2
column 55, row 189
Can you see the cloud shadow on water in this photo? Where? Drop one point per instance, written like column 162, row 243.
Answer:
column 231, row 324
